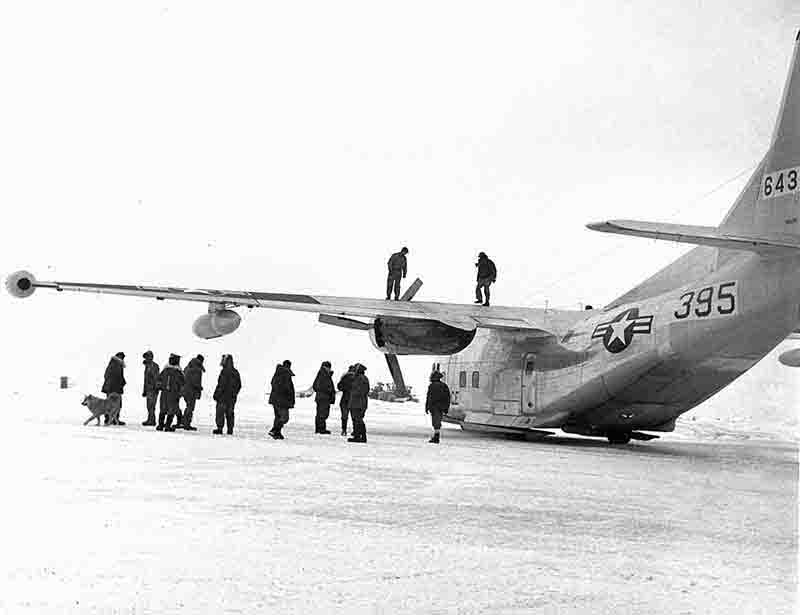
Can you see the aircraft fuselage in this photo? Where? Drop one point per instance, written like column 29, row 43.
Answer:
column 633, row 366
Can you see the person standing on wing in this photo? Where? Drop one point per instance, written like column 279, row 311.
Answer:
column 150, row 389
column 398, row 267
column 437, row 403
column 487, row 275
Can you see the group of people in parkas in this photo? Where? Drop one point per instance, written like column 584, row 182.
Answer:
column 173, row 383
column 169, row 385
column 354, row 386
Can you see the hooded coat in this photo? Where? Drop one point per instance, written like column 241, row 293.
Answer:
column 282, row 393
column 323, row 387
column 345, row 383
column 397, row 265
column 359, row 391
column 486, row 269
column 229, row 383
column 151, row 371
column 438, row 399
column 171, row 380
column 113, row 379
column 194, row 379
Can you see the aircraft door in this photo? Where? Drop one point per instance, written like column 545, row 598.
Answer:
column 528, row 397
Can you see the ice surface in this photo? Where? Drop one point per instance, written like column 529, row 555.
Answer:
column 129, row 520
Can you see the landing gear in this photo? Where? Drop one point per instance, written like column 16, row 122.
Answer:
column 619, row 437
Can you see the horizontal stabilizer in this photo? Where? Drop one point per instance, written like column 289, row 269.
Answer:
column 702, row 235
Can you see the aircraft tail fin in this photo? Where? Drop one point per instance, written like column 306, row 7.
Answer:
column 770, row 203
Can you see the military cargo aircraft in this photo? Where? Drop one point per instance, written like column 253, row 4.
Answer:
column 618, row 372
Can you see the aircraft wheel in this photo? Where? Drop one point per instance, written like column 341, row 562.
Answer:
column 620, row 437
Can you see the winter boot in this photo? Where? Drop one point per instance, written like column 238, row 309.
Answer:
column 217, row 431
column 435, row 438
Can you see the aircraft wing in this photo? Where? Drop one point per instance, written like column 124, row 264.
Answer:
column 462, row 316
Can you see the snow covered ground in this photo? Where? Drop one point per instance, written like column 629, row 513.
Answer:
column 129, row 520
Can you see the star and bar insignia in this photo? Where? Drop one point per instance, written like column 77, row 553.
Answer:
column 618, row 333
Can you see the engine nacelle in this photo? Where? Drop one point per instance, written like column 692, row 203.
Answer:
column 418, row 336
column 790, row 358
column 21, row 284
column 216, row 324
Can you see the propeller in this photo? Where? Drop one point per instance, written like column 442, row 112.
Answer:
column 397, row 375
column 391, row 359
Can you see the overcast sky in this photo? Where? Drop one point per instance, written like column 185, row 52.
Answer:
column 294, row 146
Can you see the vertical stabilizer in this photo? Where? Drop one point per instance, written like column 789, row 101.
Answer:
column 770, row 203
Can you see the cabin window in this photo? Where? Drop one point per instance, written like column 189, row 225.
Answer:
column 476, row 380
column 462, row 380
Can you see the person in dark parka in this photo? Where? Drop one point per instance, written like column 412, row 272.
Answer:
column 345, row 382
column 229, row 384
column 150, row 389
column 170, row 383
column 487, row 275
column 281, row 397
column 357, row 404
column 192, row 389
column 114, row 381
column 325, row 396
column 398, row 268
column 437, row 403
